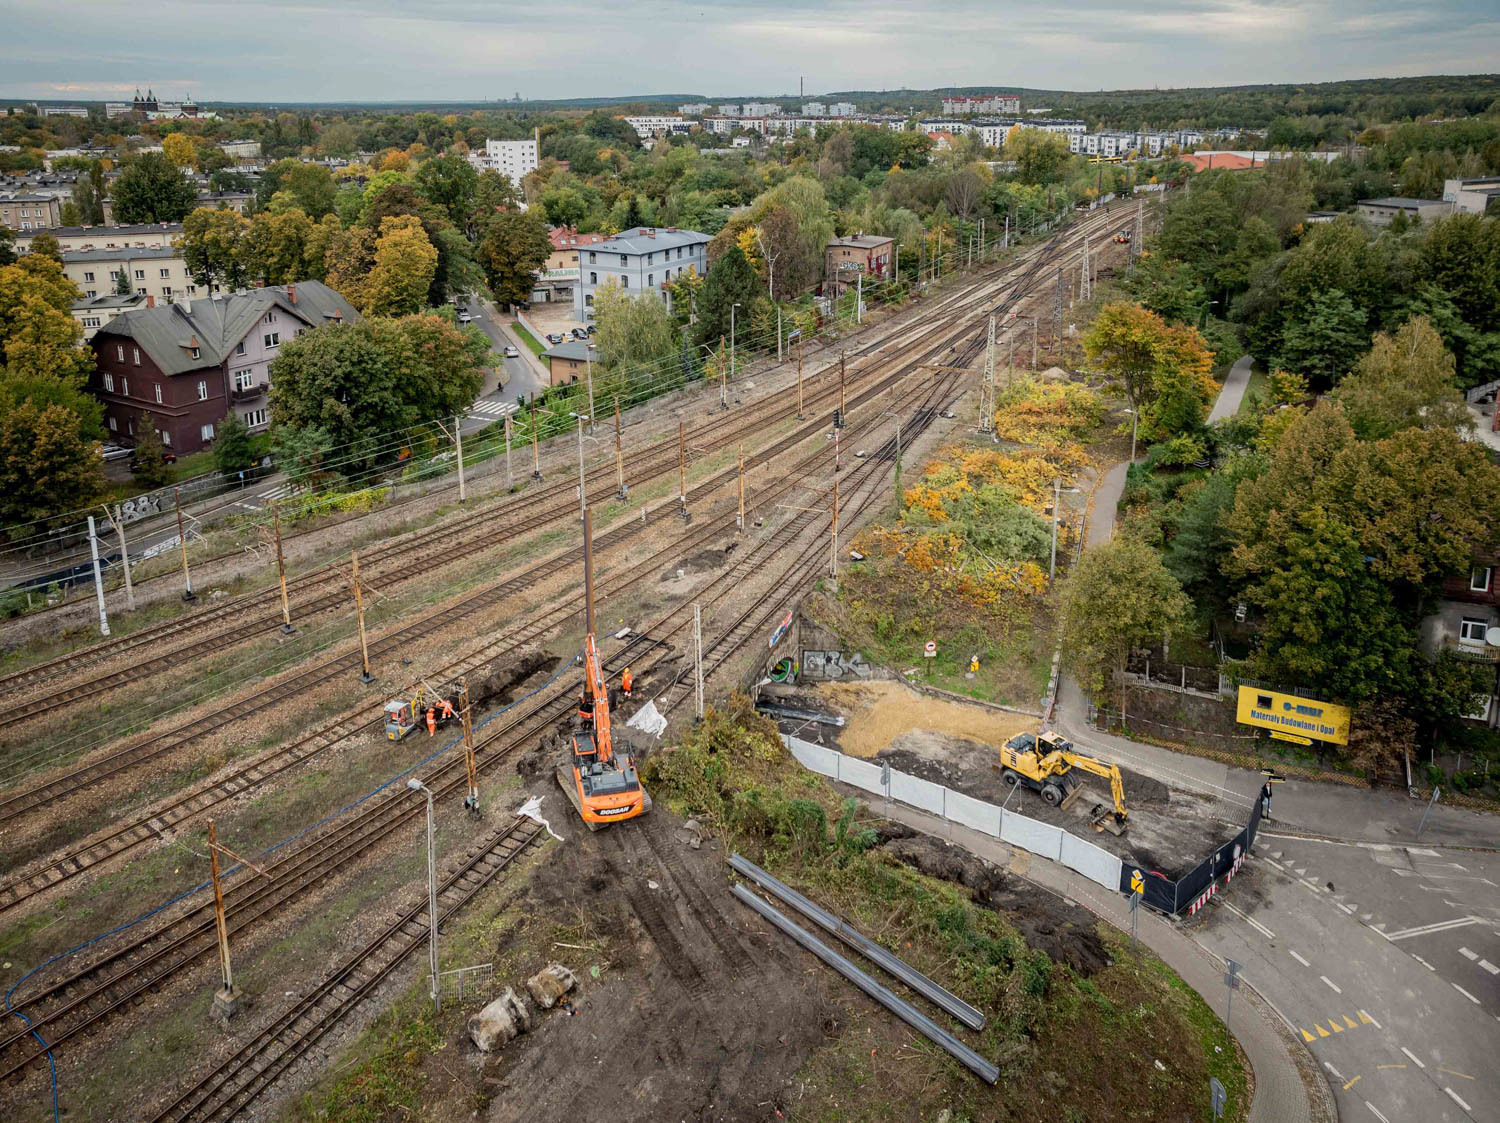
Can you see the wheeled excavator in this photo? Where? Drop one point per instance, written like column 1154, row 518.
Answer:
column 602, row 785
column 1046, row 762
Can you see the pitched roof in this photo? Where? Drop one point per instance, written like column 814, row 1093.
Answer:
column 576, row 349
column 647, row 239
column 120, row 253
column 567, row 237
column 863, row 241
column 1399, row 201
column 167, row 332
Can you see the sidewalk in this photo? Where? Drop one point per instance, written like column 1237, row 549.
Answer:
column 1232, row 393
column 1281, row 1094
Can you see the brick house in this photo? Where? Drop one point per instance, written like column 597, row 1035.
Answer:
column 1464, row 622
column 845, row 258
column 188, row 364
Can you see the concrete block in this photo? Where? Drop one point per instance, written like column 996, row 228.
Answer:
column 548, row 985
column 503, row 1019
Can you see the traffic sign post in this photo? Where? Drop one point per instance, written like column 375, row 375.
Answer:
column 1231, row 984
column 929, row 653
column 1135, row 911
column 1217, row 1097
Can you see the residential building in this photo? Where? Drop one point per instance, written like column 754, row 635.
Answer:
column 189, row 364
column 814, row 109
column 241, row 149
column 657, row 126
column 694, row 109
column 511, row 158
column 568, row 361
column 844, row 259
column 155, row 271
column 1466, row 625
column 1382, row 212
column 61, row 111
column 760, row 109
column 842, row 109
column 729, row 111
column 1471, row 196
column 967, row 106
column 114, row 109
column 640, row 261
column 92, row 313
column 29, row 211
column 150, row 234
column 559, row 276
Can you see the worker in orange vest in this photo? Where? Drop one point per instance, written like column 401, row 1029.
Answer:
column 626, row 681
column 447, row 709
column 431, row 721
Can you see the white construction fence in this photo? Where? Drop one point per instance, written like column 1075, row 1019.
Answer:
column 1008, row 826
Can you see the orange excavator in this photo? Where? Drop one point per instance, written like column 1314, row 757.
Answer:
column 602, row 785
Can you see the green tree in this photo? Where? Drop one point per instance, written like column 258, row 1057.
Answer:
column 515, row 245
column 565, row 206
column 1324, row 338
column 731, row 281
column 1408, row 379
column 69, row 214
column 46, row 245
column 278, row 247
column 405, row 262
column 48, row 463
column 152, row 189
column 215, row 248
column 149, row 466
column 89, row 194
column 233, row 451
column 1166, row 368
column 7, row 246
column 636, row 335
column 1119, row 597
column 1039, row 156
column 449, row 183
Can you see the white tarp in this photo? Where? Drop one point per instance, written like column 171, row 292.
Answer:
column 532, row 809
column 1090, row 860
column 1029, row 834
column 648, row 719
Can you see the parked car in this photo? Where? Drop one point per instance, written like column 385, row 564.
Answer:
column 579, row 333
column 591, row 329
column 113, row 452
column 553, row 338
column 168, row 457
column 464, row 317
column 512, row 353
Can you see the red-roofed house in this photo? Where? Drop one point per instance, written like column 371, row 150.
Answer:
column 560, row 274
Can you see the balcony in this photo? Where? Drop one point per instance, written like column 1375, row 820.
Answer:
column 1471, row 652
column 249, row 393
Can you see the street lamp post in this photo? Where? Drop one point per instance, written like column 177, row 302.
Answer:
column 582, row 499
column 732, row 307
column 1134, row 420
column 588, row 356
column 432, row 916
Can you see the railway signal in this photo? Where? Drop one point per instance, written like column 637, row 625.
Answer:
column 227, row 999
column 624, row 491
column 471, row 801
column 286, row 610
column 187, row 578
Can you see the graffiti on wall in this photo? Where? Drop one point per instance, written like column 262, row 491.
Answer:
column 834, row 666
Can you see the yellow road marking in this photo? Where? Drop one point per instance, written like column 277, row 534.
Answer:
column 1352, row 1083
column 1365, row 1019
column 1321, row 1031
column 1454, row 1072
column 1333, row 1024
column 1307, row 1036
column 1390, row 1066
column 1349, row 1022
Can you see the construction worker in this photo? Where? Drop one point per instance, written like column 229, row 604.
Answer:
column 626, row 681
column 445, row 710
column 431, row 721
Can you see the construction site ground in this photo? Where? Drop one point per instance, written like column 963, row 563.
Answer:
column 956, row 744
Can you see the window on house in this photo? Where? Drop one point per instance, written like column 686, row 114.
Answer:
column 593, row 277
column 140, row 274
column 192, row 290
column 1479, row 579
column 166, row 437
column 270, row 317
column 650, row 279
column 88, row 276
column 1471, row 630
column 244, row 379
column 166, row 291
column 165, row 273
column 120, row 352
column 141, row 291
column 109, row 382
column 593, row 258
column 239, row 348
column 114, row 426
column 273, row 339
column 206, row 432
column 135, row 354
column 124, row 386
column 91, row 294
column 624, row 260
column 202, row 389
column 115, row 274
column 255, row 417
column 649, row 256
column 91, row 321
column 157, row 388
column 589, row 300
column 624, row 282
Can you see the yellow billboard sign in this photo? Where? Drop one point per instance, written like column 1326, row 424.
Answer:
column 1287, row 713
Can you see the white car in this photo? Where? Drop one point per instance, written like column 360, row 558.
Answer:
column 512, row 353
column 464, row 317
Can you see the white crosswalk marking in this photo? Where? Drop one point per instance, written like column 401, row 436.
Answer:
column 277, row 492
column 492, row 408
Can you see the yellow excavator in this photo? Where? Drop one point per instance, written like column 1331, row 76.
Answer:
column 1046, row 762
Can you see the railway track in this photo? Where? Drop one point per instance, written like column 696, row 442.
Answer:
column 81, row 1001
column 321, row 589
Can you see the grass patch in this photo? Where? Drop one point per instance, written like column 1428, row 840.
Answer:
column 1257, row 393
column 536, row 345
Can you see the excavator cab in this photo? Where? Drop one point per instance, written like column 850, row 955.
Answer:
column 1048, row 764
column 409, row 712
column 399, row 719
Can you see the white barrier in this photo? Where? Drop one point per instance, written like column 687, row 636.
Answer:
column 1092, row 861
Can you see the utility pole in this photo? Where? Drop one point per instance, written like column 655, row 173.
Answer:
column 619, row 455
column 682, row 469
column 1056, row 499
column 859, row 297
column 740, row 521
column 778, row 333
column 227, row 999
column 588, row 357
column 896, row 264
column 458, row 442
column 800, row 414
column 1059, row 306
column 1140, row 229
column 843, row 355
column 536, row 455
column 286, row 608
column 937, row 258
column 359, row 611
column 187, row 578
column 1035, row 331
column 98, row 579
column 834, row 553
column 509, row 480
column 698, row 656
column 117, row 521
column 987, row 385
column 582, row 499
column 1083, row 273
column 724, row 386
column 432, row 917
column 471, row 767
column 732, row 334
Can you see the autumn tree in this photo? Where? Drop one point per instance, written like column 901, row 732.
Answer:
column 280, row 247
column 38, row 336
column 404, row 265
column 1119, row 598
column 215, row 247
column 1166, row 368
column 1406, row 379
column 514, row 246
column 179, row 149
column 152, row 189
column 348, row 259
column 48, row 463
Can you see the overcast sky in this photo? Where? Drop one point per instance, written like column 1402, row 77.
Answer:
column 461, row 50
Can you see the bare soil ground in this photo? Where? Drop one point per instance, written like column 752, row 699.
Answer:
column 875, row 713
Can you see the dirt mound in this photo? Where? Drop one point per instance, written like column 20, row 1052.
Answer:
column 878, row 713
column 1065, row 932
column 688, row 1007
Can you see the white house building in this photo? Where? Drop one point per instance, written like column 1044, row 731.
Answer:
column 511, row 158
column 639, row 261
column 651, row 127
